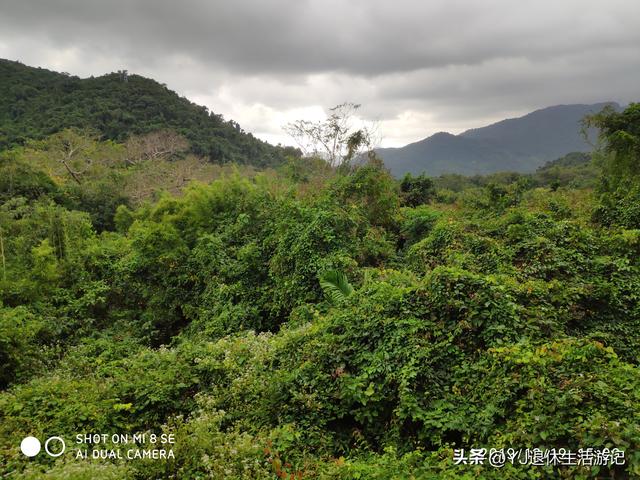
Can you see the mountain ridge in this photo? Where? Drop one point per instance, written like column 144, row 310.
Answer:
column 519, row 144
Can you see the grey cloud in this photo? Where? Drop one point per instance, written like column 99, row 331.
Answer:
column 356, row 37
column 459, row 61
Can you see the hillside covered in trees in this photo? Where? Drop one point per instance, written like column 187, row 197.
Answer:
column 310, row 322
column 35, row 103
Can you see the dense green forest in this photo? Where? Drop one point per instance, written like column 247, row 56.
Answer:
column 35, row 103
column 306, row 322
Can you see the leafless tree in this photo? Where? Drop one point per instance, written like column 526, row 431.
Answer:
column 73, row 149
column 159, row 144
column 171, row 176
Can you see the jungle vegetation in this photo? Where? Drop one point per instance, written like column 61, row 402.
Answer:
column 311, row 322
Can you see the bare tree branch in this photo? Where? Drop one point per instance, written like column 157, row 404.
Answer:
column 155, row 145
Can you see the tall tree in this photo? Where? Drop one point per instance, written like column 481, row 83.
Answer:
column 619, row 155
column 336, row 138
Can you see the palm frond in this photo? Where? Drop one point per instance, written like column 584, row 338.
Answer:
column 335, row 285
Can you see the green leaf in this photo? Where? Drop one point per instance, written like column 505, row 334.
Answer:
column 335, row 285
column 370, row 390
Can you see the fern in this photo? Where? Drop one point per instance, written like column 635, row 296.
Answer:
column 335, row 285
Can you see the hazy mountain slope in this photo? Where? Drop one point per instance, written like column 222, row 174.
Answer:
column 445, row 153
column 35, row 102
column 519, row 144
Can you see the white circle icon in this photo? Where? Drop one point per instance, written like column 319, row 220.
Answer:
column 46, row 446
column 30, row 446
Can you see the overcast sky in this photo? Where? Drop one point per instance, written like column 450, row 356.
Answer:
column 417, row 67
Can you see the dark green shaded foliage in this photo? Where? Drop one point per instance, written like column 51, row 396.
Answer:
column 620, row 151
column 418, row 223
column 417, row 190
column 18, row 179
column 99, row 199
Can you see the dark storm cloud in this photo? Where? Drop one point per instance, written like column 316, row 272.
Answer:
column 361, row 37
column 449, row 60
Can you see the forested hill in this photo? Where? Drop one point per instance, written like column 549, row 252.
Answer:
column 516, row 144
column 35, row 102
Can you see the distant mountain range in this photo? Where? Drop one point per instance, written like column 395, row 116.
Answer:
column 35, row 102
column 517, row 144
